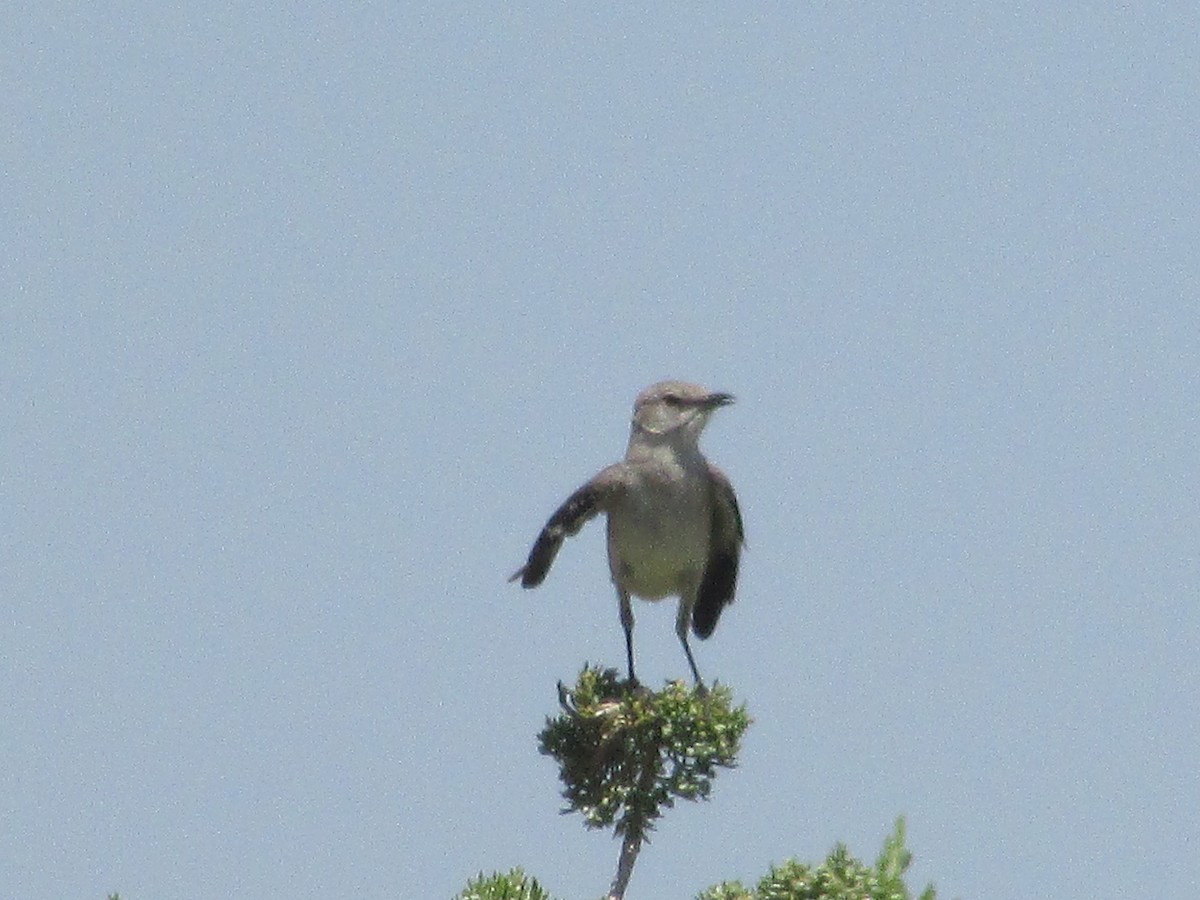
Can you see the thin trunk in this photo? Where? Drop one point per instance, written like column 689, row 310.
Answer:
column 635, row 831
column 629, row 852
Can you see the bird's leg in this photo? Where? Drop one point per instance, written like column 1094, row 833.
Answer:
column 627, row 624
column 682, row 620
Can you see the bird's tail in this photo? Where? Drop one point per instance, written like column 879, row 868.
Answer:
column 715, row 592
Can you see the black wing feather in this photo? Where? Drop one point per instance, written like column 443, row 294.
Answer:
column 721, row 570
column 575, row 512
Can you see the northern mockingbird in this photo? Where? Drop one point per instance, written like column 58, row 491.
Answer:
column 674, row 528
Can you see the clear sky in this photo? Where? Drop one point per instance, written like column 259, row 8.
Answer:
column 311, row 315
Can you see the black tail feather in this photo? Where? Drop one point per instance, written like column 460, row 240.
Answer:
column 716, row 590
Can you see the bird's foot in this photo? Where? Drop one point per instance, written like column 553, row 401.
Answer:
column 633, row 686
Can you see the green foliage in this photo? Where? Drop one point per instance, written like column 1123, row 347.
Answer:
column 512, row 886
column 625, row 755
column 840, row 877
column 728, row 890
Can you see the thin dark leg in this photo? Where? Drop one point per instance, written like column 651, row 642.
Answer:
column 682, row 620
column 691, row 662
column 627, row 624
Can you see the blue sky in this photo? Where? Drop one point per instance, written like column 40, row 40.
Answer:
column 312, row 315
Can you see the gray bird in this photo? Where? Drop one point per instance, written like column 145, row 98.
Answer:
column 674, row 528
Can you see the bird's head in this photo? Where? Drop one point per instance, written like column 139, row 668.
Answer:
column 675, row 408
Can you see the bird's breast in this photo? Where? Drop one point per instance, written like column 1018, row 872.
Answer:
column 658, row 541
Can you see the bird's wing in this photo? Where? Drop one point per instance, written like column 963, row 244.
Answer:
column 588, row 501
column 724, row 551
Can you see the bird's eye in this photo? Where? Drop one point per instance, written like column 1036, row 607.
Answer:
column 672, row 400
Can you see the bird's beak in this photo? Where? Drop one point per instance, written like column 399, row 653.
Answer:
column 712, row 401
